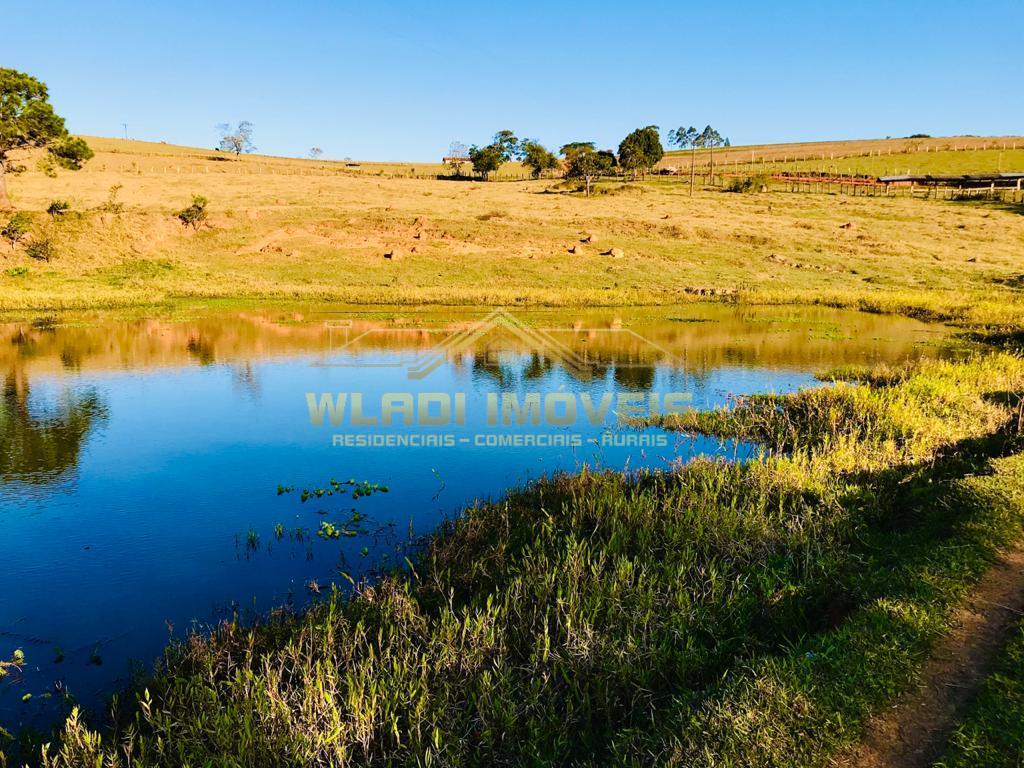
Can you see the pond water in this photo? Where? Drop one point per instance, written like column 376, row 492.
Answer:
column 141, row 455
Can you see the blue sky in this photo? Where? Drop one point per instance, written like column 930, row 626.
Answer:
column 401, row 80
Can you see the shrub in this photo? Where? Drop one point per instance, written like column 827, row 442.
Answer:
column 18, row 271
column 58, row 208
column 40, row 250
column 749, row 184
column 16, row 228
column 195, row 214
column 111, row 205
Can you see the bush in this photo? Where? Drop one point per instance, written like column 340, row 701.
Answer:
column 756, row 183
column 18, row 271
column 111, row 205
column 58, row 208
column 195, row 214
column 16, row 228
column 40, row 250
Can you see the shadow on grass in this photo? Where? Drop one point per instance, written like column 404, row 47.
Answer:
column 930, row 530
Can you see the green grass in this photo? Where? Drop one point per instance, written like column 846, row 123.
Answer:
column 937, row 163
column 992, row 733
column 718, row 614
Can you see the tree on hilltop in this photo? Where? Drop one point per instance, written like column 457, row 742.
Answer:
column 585, row 163
column 27, row 121
column 709, row 139
column 641, row 150
column 686, row 138
column 487, row 160
column 537, row 158
column 237, row 140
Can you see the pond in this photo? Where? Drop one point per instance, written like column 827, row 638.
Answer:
column 166, row 470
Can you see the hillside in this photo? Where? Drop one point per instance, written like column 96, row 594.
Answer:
column 954, row 154
column 289, row 228
column 938, row 155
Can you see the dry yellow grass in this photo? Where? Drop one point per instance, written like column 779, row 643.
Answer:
column 312, row 230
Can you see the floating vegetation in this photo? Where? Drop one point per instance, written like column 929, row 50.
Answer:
column 328, row 531
column 368, row 489
column 331, row 531
column 283, row 489
column 16, row 662
column 359, row 489
column 252, row 539
column 279, row 531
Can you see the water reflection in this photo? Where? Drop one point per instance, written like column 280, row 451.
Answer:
column 161, row 441
column 40, row 442
column 697, row 338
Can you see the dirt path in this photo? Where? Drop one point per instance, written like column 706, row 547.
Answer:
column 914, row 733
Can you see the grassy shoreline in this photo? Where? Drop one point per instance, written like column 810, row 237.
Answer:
column 751, row 614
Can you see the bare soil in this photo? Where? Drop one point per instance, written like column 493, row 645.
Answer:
column 915, row 731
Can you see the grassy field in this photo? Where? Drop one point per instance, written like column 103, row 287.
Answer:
column 282, row 228
column 944, row 154
column 935, row 163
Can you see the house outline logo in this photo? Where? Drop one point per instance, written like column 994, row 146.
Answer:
column 498, row 320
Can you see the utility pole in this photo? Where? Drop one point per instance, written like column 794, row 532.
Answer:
column 125, row 131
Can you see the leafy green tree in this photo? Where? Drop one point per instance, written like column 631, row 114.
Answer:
column 641, row 150
column 27, row 121
column 510, row 145
column 583, row 162
column 487, row 160
column 686, row 138
column 537, row 158
column 237, row 140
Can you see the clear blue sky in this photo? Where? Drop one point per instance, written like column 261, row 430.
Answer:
column 400, row 80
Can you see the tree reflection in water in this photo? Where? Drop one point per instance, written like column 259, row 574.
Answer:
column 40, row 443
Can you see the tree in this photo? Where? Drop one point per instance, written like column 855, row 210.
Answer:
column 16, row 228
column 641, row 150
column 238, row 140
column 509, row 144
column 457, row 154
column 537, row 158
column 686, row 138
column 487, row 160
column 315, row 153
column 194, row 215
column 710, row 138
column 27, row 121
column 583, row 162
